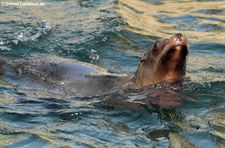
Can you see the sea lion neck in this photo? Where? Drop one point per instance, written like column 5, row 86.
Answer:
column 164, row 61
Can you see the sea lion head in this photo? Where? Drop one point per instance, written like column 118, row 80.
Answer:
column 166, row 60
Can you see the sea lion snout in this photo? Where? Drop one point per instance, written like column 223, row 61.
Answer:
column 180, row 39
column 179, row 36
column 177, row 48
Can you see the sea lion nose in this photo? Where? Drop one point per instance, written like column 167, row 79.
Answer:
column 179, row 36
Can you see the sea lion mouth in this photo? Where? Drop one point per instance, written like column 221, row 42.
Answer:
column 178, row 53
column 176, row 49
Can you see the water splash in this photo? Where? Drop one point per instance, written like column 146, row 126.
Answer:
column 94, row 56
column 32, row 32
column 3, row 45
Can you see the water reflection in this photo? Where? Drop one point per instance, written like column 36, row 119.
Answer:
column 169, row 17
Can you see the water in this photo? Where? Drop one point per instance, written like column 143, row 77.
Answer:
column 114, row 35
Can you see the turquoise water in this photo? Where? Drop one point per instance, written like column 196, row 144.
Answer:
column 114, row 35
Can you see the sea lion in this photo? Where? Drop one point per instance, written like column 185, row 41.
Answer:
column 165, row 61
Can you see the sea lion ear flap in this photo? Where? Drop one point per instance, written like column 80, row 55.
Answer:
column 144, row 58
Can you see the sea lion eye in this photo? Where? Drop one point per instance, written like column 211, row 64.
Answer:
column 156, row 45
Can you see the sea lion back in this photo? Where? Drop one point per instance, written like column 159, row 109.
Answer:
column 61, row 76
